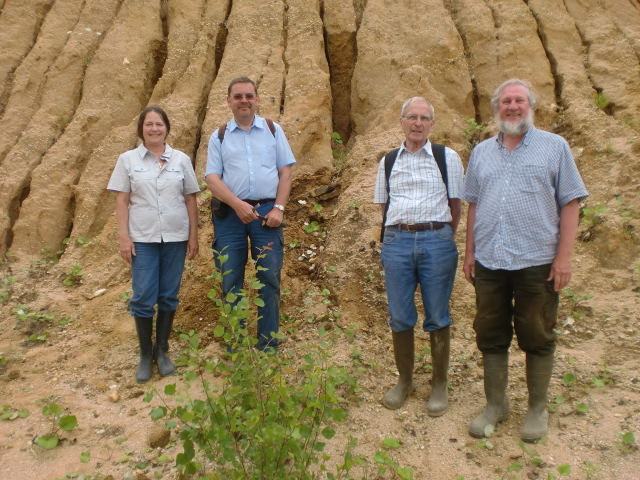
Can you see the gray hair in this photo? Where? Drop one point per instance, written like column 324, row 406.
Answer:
column 406, row 104
column 495, row 99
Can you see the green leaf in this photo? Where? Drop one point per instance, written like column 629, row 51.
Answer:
column 515, row 467
column 158, row 412
column 68, row 422
column 405, row 473
column 628, row 438
column 51, row 409
column 47, row 442
column 85, row 457
column 391, row 443
column 170, row 389
column 582, row 407
column 564, row 469
column 218, row 331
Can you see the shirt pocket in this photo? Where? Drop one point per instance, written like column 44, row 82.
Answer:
column 531, row 178
column 172, row 178
column 141, row 173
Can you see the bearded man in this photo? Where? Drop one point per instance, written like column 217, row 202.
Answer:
column 523, row 189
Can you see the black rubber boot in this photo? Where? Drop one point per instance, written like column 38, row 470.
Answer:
column 404, row 353
column 144, row 326
column 438, row 402
column 164, row 322
column 536, row 423
column 496, row 366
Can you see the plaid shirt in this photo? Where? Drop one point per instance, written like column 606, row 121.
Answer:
column 519, row 195
column 417, row 192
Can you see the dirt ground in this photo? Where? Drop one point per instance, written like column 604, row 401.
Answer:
column 87, row 354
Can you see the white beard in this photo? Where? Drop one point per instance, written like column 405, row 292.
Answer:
column 515, row 128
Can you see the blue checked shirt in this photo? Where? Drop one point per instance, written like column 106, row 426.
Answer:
column 518, row 197
column 417, row 192
column 249, row 161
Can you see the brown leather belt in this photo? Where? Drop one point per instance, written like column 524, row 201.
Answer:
column 418, row 227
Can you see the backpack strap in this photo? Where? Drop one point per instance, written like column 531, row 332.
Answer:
column 390, row 158
column 223, row 128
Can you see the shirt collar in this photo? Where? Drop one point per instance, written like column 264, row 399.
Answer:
column 258, row 122
column 426, row 147
column 142, row 151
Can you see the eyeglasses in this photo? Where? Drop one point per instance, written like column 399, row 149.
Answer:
column 239, row 96
column 414, row 118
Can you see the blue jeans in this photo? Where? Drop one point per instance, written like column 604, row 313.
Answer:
column 521, row 300
column 428, row 258
column 232, row 233
column 156, row 272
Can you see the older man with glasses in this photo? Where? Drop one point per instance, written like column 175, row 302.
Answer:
column 420, row 203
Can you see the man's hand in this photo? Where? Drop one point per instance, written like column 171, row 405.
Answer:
column 560, row 273
column 245, row 212
column 469, row 268
column 274, row 218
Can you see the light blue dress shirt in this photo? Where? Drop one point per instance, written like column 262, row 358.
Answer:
column 248, row 161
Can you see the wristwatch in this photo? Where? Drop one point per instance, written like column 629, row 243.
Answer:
column 279, row 207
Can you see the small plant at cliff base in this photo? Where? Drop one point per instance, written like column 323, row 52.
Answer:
column 592, row 216
column 59, row 422
column 74, row 276
column 601, row 101
column 590, row 469
column 83, row 242
column 474, row 132
column 34, row 323
column 576, row 301
column 339, row 153
column 627, row 442
column 255, row 415
column 7, row 412
column 532, row 458
column 7, row 288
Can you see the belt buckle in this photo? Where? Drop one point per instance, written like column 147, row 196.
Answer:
column 410, row 227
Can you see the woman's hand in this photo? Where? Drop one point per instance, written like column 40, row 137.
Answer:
column 127, row 249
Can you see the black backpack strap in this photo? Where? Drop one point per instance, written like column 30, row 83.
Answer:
column 389, row 160
column 223, row 128
column 439, row 155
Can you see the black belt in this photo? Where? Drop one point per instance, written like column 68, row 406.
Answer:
column 261, row 202
column 418, row 227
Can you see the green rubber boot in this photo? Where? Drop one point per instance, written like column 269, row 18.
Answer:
column 438, row 402
column 536, row 423
column 144, row 327
column 496, row 368
column 164, row 322
column 404, row 353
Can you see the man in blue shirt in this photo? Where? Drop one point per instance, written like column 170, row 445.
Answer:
column 249, row 171
column 419, row 248
column 523, row 189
